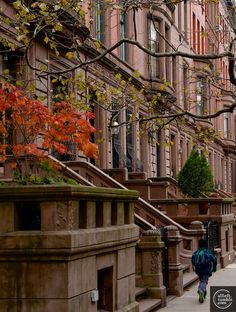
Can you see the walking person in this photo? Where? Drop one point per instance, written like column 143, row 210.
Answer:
column 204, row 263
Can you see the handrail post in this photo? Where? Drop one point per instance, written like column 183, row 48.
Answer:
column 174, row 266
column 150, row 252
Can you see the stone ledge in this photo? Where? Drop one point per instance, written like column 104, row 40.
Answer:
column 63, row 192
column 79, row 241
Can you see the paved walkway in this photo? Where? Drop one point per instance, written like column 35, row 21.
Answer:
column 189, row 301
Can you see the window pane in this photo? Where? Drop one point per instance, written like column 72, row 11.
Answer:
column 154, row 47
column 200, row 90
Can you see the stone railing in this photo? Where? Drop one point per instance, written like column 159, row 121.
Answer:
column 146, row 215
column 158, row 265
column 186, row 210
column 50, row 208
column 61, row 246
column 206, row 210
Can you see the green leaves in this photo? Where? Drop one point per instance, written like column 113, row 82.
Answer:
column 17, row 4
column 97, row 44
column 195, row 178
column 70, row 55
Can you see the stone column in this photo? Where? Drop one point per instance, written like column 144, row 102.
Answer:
column 150, row 262
column 173, row 240
column 196, row 225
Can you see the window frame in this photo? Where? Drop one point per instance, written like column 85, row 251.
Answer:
column 200, row 95
column 98, row 17
column 154, row 62
column 123, row 30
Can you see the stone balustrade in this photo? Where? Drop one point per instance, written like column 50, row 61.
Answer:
column 206, row 210
column 62, row 246
column 203, row 208
column 53, row 208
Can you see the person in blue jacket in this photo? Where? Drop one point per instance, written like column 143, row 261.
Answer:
column 204, row 263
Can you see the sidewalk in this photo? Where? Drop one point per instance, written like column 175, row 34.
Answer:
column 189, row 301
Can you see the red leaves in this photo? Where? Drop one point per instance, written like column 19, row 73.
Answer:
column 40, row 128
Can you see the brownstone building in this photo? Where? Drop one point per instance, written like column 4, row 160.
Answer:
column 181, row 84
column 147, row 161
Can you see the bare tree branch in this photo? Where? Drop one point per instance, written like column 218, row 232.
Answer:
column 134, row 23
column 174, row 116
column 206, row 57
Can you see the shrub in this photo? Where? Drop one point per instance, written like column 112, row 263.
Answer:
column 195, row 178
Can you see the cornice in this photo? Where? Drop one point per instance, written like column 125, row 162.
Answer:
column 163, row 12
column 113, row 63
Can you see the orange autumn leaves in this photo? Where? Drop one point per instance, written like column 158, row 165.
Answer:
column 29, row 127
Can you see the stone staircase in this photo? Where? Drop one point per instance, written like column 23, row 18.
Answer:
column 188, row 277
column 146, row 304
column 146, row 217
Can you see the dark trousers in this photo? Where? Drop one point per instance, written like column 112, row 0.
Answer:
column 203, row 281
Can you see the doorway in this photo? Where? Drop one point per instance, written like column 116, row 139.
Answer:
column 105, row 289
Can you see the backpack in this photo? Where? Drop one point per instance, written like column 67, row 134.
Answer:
column 201, row 258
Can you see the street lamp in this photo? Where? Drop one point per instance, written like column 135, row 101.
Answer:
column 115, row 128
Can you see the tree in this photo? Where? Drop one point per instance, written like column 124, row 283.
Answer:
column 40, row 130
column 63, row 27
column 195, row 178
column 71, row 30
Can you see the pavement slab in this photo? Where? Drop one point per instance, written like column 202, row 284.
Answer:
column 189, row 300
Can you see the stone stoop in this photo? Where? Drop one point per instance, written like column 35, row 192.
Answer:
column 188, row 277
column 146, row 304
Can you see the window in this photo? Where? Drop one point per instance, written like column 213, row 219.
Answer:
column 59, row 92
column 181, row 153
column 194, row 39
column 226, row 125
column 98, row 20
column 3, row 61
column 198, row 38
column 185, row 17
column 202, row 41
column 10, row 138
column 59, row 89
column 173, row 154
column 200, row 91
column 123, row 34
column 116, row 138
column 179, row 5
column 185, row 84
column 234, row 129
column 158, row 153
column 129, row 143
column 154, row 46
column 167, row 59
column 11, row 67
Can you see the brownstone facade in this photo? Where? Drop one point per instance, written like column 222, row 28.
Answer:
column 76, row 260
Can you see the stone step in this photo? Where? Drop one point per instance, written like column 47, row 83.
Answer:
column 185, row 267
column 140, row 292
column 189, row 278
column 170, row 298
column 149, row 305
